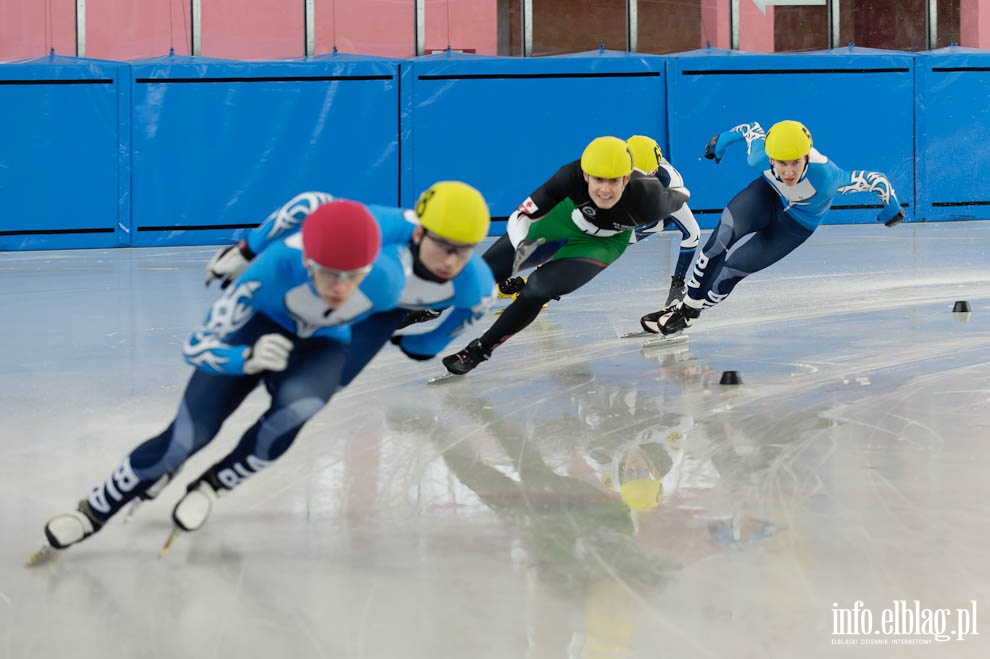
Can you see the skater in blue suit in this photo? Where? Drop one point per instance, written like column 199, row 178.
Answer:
column 286, row 322
column 771, row 217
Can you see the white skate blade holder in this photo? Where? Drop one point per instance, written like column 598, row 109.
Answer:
column 636, row 335
column 665, row 341
column 62, row 531
column 445, row 378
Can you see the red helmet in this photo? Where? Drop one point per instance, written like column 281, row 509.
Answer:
column 341, row 235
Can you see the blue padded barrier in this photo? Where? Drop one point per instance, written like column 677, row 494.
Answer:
column 218, row 144
column 180, row 150
column 505, row 125
column 64, row 153
column 953, row 131
column 857, row 102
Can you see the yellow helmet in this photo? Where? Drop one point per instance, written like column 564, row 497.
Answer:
column 788, row 140
column 455, row 211
column 645, row 151
column 641, row 494
column 607, row 157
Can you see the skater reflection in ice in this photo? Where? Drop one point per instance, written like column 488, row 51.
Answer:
column 575, row 540
column 638, row 449
column 701, row 472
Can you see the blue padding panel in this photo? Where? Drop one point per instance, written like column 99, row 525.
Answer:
column 218, row 145
column 506, row 125
column 953, row 131
column 858, row 104
column 61, row 155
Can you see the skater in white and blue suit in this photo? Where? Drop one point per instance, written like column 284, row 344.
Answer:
column 770, row 217
column 648, row 158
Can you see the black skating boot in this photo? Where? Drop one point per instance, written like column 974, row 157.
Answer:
column 466, row 360
column 670, row 320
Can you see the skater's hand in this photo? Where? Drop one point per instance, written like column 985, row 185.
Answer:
column 712, row 152
column 269, row 353
column 228, row 263
column 894, row 221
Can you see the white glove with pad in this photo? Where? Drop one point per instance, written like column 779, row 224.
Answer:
column 269, row 353
column 228, row 263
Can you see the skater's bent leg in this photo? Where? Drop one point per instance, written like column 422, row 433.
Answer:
column 500, row 257
column 549, row 281
column 757, row 252
column 749, row 212
column 367, row 339
column 297, row 395
column 207, row 402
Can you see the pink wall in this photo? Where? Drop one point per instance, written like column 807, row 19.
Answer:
column 124, row 29
column 715, row 23
column 755, row 29
column 252, row 29
column 473, row 24
column 975, row 23
column 25, row 28
column 245, row 29
column 390, row 34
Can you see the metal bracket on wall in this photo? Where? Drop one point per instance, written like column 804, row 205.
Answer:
column 527, row 28
column 80, row 28
column 419, row 26
column 632, row 25
column 309, row 28
column 196, row 27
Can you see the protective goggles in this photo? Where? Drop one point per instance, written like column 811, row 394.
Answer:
column 461, row 250
column 333, row 275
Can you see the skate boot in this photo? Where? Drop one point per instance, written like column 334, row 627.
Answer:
column 466, row 360
column 650, row 322
column 68, row 529
column 677, row 291
column 670, row 320
column 195, row 506
column 511, row 287
column 421, row 316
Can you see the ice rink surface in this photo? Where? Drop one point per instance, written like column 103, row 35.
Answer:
column 474, row 519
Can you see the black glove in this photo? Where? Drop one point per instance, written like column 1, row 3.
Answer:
column 420, row 316
column 710, row 150
column 894, row 221
column 511, row 286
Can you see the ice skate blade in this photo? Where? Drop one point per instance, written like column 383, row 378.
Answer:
column 43, row 555
column 636, row 335
column 444, row 378
column 168, row 543
column 664, row 341
column 131, row 510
